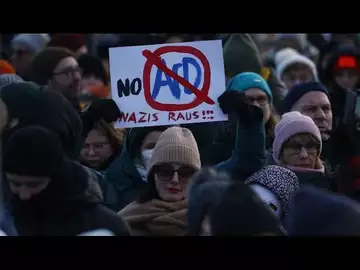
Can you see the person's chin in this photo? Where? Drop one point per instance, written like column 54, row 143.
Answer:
column 76, row 88
column 172, row 197
column 305, row 166
column 92, row 164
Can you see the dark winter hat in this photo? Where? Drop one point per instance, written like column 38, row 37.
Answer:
column 318, row 213
column 32, row 105
column 33, row 151
column 205, row 191
column 343, row 57
column 72, row 42
column 299, row 90
column 281, row 181
column 22, row 100
column 58, row 115
column 326, row 50
column 6, row 79
column 32, row 42
column 92, row 65
column 44, row 63
column 241, row 212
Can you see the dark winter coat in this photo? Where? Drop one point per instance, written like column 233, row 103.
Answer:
column 75, row 209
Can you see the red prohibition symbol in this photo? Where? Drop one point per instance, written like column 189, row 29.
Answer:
column 154, row 59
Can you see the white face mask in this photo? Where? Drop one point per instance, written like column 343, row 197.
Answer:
column 146, row 156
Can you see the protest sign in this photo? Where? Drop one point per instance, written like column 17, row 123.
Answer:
column 168, row 84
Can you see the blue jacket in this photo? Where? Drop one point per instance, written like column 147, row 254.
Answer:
column 7, row 222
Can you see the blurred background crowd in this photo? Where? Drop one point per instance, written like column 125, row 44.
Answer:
column 294, row 122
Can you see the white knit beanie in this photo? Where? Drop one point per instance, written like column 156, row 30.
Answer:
column 283, row 54
column 296, row 59
column 34, row 42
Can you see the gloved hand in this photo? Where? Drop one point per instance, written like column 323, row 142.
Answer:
column 344, row 144
column 103, row 109
column 237, row 102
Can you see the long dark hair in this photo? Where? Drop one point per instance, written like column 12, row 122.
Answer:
column 150, row 192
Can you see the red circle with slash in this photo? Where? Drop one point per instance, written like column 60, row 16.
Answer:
column 154, row 58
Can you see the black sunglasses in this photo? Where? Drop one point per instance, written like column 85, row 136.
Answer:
column 165, row 172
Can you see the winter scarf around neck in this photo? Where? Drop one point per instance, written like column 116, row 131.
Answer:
column 319, row 167
column 156, row 218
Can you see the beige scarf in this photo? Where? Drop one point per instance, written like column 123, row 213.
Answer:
column 156, row 218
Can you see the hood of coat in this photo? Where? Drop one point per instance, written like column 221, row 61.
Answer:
column 74, row 189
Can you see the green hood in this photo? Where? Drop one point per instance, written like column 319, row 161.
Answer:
column 241, row 55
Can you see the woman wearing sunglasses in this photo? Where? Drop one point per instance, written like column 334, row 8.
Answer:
column 162, row 209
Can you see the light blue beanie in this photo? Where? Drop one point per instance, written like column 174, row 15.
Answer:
column 33, row 42
column 247, row 80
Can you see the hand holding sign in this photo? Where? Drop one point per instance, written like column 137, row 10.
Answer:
column 166, row 85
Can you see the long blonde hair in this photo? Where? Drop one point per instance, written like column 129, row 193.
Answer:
column 272, row 122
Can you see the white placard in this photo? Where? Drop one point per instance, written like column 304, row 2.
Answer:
column 168, row 84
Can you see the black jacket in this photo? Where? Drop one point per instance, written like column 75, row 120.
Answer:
column 65, row 209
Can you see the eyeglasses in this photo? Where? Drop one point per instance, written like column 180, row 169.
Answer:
column 310, row 147
column 96, row 147
column 69, row 71
column 165, row 172
column 261, row 100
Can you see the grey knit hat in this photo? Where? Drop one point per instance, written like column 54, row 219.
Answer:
column 281, row 181
column 6, row 79
column 33, row 42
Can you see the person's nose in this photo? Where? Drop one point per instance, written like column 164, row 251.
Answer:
column 175, row 178
column 320, row 114
column 303, row 153
column 255, row 103
column 91, row 151
column 77, row 76
column 24, row 193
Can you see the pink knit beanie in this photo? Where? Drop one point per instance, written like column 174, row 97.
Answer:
column 293, row 123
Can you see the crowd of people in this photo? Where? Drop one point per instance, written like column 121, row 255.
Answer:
column 286, row 163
